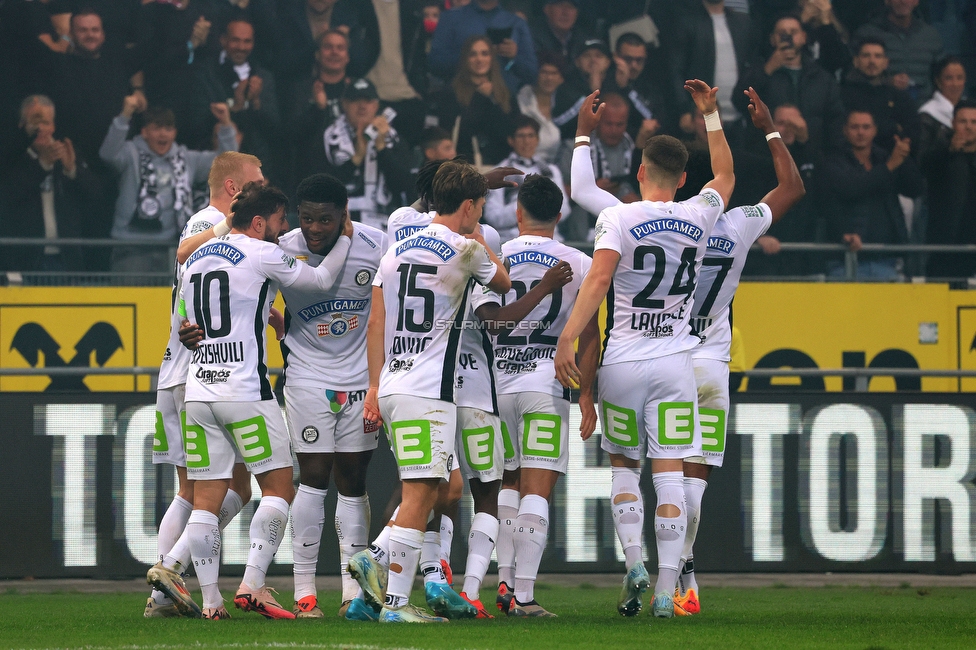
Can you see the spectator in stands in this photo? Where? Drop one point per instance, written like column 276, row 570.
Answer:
column 912, row 44
column 865, row 183
column 418, row 27
column 591, row 72
column 868, row 87
column 303, row 23
column 436, row 144
column 249, row 90
column 88, row 88
column 501, row 203
column 536, row 101
column 509, row 37
column 44, row 191
column 648, row 102
column 156, row 180
column 477, row 105
column 556, row 32
column 714, row 44
column 936, row 115
column 263, row 17
column 950, row 169
column 363, row 151
column 826, row 36
column 788, row 76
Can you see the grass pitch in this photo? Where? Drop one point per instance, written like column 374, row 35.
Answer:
column 828, row 617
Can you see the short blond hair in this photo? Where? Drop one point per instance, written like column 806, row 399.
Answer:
column 229, row 164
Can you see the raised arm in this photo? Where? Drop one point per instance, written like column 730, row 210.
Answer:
column 723, row 169
column 493, row 314
column 583, row 188
column 789, row 188
column 193, row 242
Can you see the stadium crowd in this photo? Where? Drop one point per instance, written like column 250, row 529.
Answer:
column 112, row 110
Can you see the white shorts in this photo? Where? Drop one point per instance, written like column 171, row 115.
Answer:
column 170, row 417
column 219, row 434
column 324, row 421
column 712, row 379
column 650, row 407
column 538, row 428
column 421, row 432
column 481, row 450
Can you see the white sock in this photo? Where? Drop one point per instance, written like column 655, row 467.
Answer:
column 352, row 529
column 405, row 544
column 531, row 531
column 204, row 536
column 628, row 514
column 178, row 557
column 670, row 531
column 508, row 507
column 380, row 548
column 171, row 528
column 481, row 541
column 447, row 537
column 307, row 521
column 267, row 529
column 694, row 490
column 430, row 558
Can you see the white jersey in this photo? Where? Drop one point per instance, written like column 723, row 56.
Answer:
column 501, row 203
column 325, row 342
column 524, row 355
column 176, row 360
column 229, row 285
column 405, row 222
column 728, row 246
column 426, row 280
column 661, row 246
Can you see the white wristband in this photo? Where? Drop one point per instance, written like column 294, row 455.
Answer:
column 713, row 122
column 774, row 134
column 221, row 229
column 582, row 139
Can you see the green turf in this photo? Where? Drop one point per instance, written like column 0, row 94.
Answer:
column 834, row 617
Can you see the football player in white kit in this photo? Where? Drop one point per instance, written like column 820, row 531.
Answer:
column 651, row 251
column 534, row 407
column 420, row 300
column 325, row 383
column 228, row 287
column 229, row 172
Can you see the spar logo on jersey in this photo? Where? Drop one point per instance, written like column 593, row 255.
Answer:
column 533, row 257
column 338, row 327
column 679, row 226
column 408, row 231
column 721, row 245
column 213, row 376
column 218, row 249
column 439, row 248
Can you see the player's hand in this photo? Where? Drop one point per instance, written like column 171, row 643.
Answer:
column 478, row 237
column 190, row 335
column 557, row 277
column 277, row 322
column 567, row 372
column 371, row 406
column 588, row 411
column 705, row 98
column 496, row 177
column 759, row 112
column 853, row 241
column 347, row 228
column 589, row 114
column 769, row 244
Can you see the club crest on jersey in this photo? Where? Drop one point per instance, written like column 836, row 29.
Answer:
column 721, row 244
column 408, row 231
column 330, row 307
column 533, row 257
column 338, row 327
column 218, row 249
column 362, row 277
column 685, row 228
column 439, row 248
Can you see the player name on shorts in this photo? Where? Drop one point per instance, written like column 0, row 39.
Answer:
column 686, row 228
column 219, row 353
column 533, row 257
column 331, row 307
column 721, row 244
column 439, row 248
column 218, row 249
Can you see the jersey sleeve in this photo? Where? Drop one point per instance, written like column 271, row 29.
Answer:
column 492, row 238
column 709, row 203
column 286, row 270
column 607, row 234
column 482, row 268
column 753, row 223
column 484, row 296
column 585, row 262
column 583, row 184
column 378, row 276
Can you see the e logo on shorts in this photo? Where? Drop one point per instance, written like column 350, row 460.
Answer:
column 479, row 445
column 620, row 425
column 195, row 446
column 675, row 423
column 713, row 430
column 252, row 438
column 411, row 442
column 160, row 445
column 540, row 435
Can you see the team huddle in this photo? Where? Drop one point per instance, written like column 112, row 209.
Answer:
column 464, row 353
